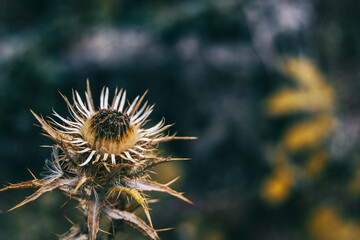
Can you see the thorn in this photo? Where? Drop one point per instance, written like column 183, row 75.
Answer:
column 32, row 174
column 46, row 146
column 66, row 202
column 55, row 234
column 164, row 229
column 82, row 180
column 105, row 232
column 185, row 138
column 153, row 200
column 138, row 103
column 172, row 181
column 180, row 159
column 69, row 219
column 106, row 167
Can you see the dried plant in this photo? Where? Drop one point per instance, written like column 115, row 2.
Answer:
column 102, row 158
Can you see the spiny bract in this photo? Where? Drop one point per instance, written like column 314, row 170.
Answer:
column 101, row 158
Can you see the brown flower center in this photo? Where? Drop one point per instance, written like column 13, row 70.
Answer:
column 110, row 132
column 110, row 124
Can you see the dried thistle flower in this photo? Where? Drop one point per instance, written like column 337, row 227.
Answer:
column 101, row 158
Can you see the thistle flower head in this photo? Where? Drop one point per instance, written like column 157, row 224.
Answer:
column 114, row 131
column 101, row 158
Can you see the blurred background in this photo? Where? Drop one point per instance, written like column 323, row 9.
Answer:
column 270, row 87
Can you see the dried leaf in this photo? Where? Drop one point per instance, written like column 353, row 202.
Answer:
column 54, row 135
column 133, row 221
column 147, row 185
column 94, row 208
column 74, row 233
column 23, row 185
column 46, row 188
